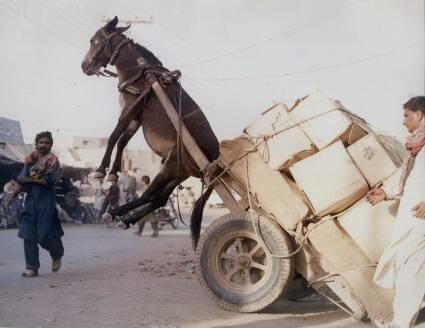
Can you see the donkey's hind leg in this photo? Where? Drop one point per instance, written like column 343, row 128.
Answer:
column 161, row 200
column 122, row 143
column 166, row 175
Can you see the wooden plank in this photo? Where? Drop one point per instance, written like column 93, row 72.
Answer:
column 227, row 197
column 331, row 245
column 188, row 141
column 193, row 148
column 308, row 266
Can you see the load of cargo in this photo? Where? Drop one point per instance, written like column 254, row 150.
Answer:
column 305, row 168
column 325, row 159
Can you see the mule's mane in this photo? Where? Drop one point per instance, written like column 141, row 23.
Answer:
column 148, row 55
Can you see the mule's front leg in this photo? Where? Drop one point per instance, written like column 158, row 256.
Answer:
column 106, row 160
column 122, row 143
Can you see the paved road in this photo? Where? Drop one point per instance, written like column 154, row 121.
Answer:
column 111, row 278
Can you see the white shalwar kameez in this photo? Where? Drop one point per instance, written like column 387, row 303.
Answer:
column 402, row 265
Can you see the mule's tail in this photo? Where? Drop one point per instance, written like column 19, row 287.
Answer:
column 196, row 217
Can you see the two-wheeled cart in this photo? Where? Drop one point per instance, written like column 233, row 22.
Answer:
column 248, row 258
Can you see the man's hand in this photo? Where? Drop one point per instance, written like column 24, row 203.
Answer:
column 40, row 182
column 24, row 180
column 375, row 196
column 419, row 210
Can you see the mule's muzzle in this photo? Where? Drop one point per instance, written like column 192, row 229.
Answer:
column 88, row 68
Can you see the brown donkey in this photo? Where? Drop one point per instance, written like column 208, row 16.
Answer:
column 134, row 64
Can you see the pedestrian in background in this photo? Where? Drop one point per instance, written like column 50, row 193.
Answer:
column 151, row 217
column 112, row 198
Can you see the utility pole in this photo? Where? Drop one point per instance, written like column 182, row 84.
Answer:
column 135, row 20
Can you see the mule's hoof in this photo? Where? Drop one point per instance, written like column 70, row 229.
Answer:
column 107, row 218
column 112, row 177
column 123, row 225
column 98, row 175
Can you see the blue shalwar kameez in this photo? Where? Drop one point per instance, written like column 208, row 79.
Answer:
column 39, row 220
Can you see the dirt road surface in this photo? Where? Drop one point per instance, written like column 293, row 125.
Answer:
column 112, row 278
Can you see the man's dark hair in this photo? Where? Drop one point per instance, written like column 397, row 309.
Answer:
column 146, row 179
column 416, row 103
column 44, row 134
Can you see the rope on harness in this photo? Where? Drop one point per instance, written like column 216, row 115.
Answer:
column 179, row 143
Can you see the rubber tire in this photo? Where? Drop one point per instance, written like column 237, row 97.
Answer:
column 281, row 271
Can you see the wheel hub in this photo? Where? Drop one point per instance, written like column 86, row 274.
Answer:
column 244, row 261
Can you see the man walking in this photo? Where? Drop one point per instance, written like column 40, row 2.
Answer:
column 402, row 265
column 39, row 220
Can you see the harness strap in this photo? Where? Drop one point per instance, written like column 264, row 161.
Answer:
column 117, row 50
column 124, row 85
column 164, row 76
column 133, row 107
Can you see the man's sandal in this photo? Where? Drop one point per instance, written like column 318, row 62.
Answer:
column 29, row 274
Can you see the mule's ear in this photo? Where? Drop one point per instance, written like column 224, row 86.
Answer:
column 110, row 26
column 122, row 29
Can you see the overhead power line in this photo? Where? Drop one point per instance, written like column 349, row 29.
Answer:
column 279, row 35
column 51, row 32
column 308, row 71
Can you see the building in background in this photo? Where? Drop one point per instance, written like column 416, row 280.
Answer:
column 89, row 142
column 143, row 162
column 11, row 132
column 90, row 150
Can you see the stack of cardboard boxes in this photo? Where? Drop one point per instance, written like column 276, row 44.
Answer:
column 333, row 161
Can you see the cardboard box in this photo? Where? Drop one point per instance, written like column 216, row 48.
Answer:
column 370, row 226
column 274, row 192
column 353, row 134
column 320, row 119
column 272, row 120
column 330, row 180
column 284, row 147
column 283, row 139
column 372, row 159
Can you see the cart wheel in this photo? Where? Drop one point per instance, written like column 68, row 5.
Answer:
column 236, row 270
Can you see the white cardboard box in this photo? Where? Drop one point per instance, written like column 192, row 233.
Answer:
column 271, row 121
column 283, row 140
column 320, row 119
column 282, row 147
column 330, row 179
column 370, row 226
column 372, row 159
column 275, row 192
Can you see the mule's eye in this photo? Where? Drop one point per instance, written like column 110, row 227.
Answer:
column 96, row 41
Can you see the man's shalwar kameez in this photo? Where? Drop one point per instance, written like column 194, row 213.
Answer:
column 39, row 220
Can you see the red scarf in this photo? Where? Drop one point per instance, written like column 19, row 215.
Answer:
column 414, row 143
column 416, row 140
column 42, row 164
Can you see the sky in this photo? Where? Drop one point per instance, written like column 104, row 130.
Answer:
column 237, row 57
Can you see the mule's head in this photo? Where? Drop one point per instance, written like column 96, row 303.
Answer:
column 101, row 47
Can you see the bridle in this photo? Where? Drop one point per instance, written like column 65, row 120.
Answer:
column 113, row 55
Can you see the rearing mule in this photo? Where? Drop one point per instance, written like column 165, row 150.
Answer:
column 109, row 45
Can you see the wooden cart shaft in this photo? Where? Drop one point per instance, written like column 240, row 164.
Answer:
column 194, row 150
